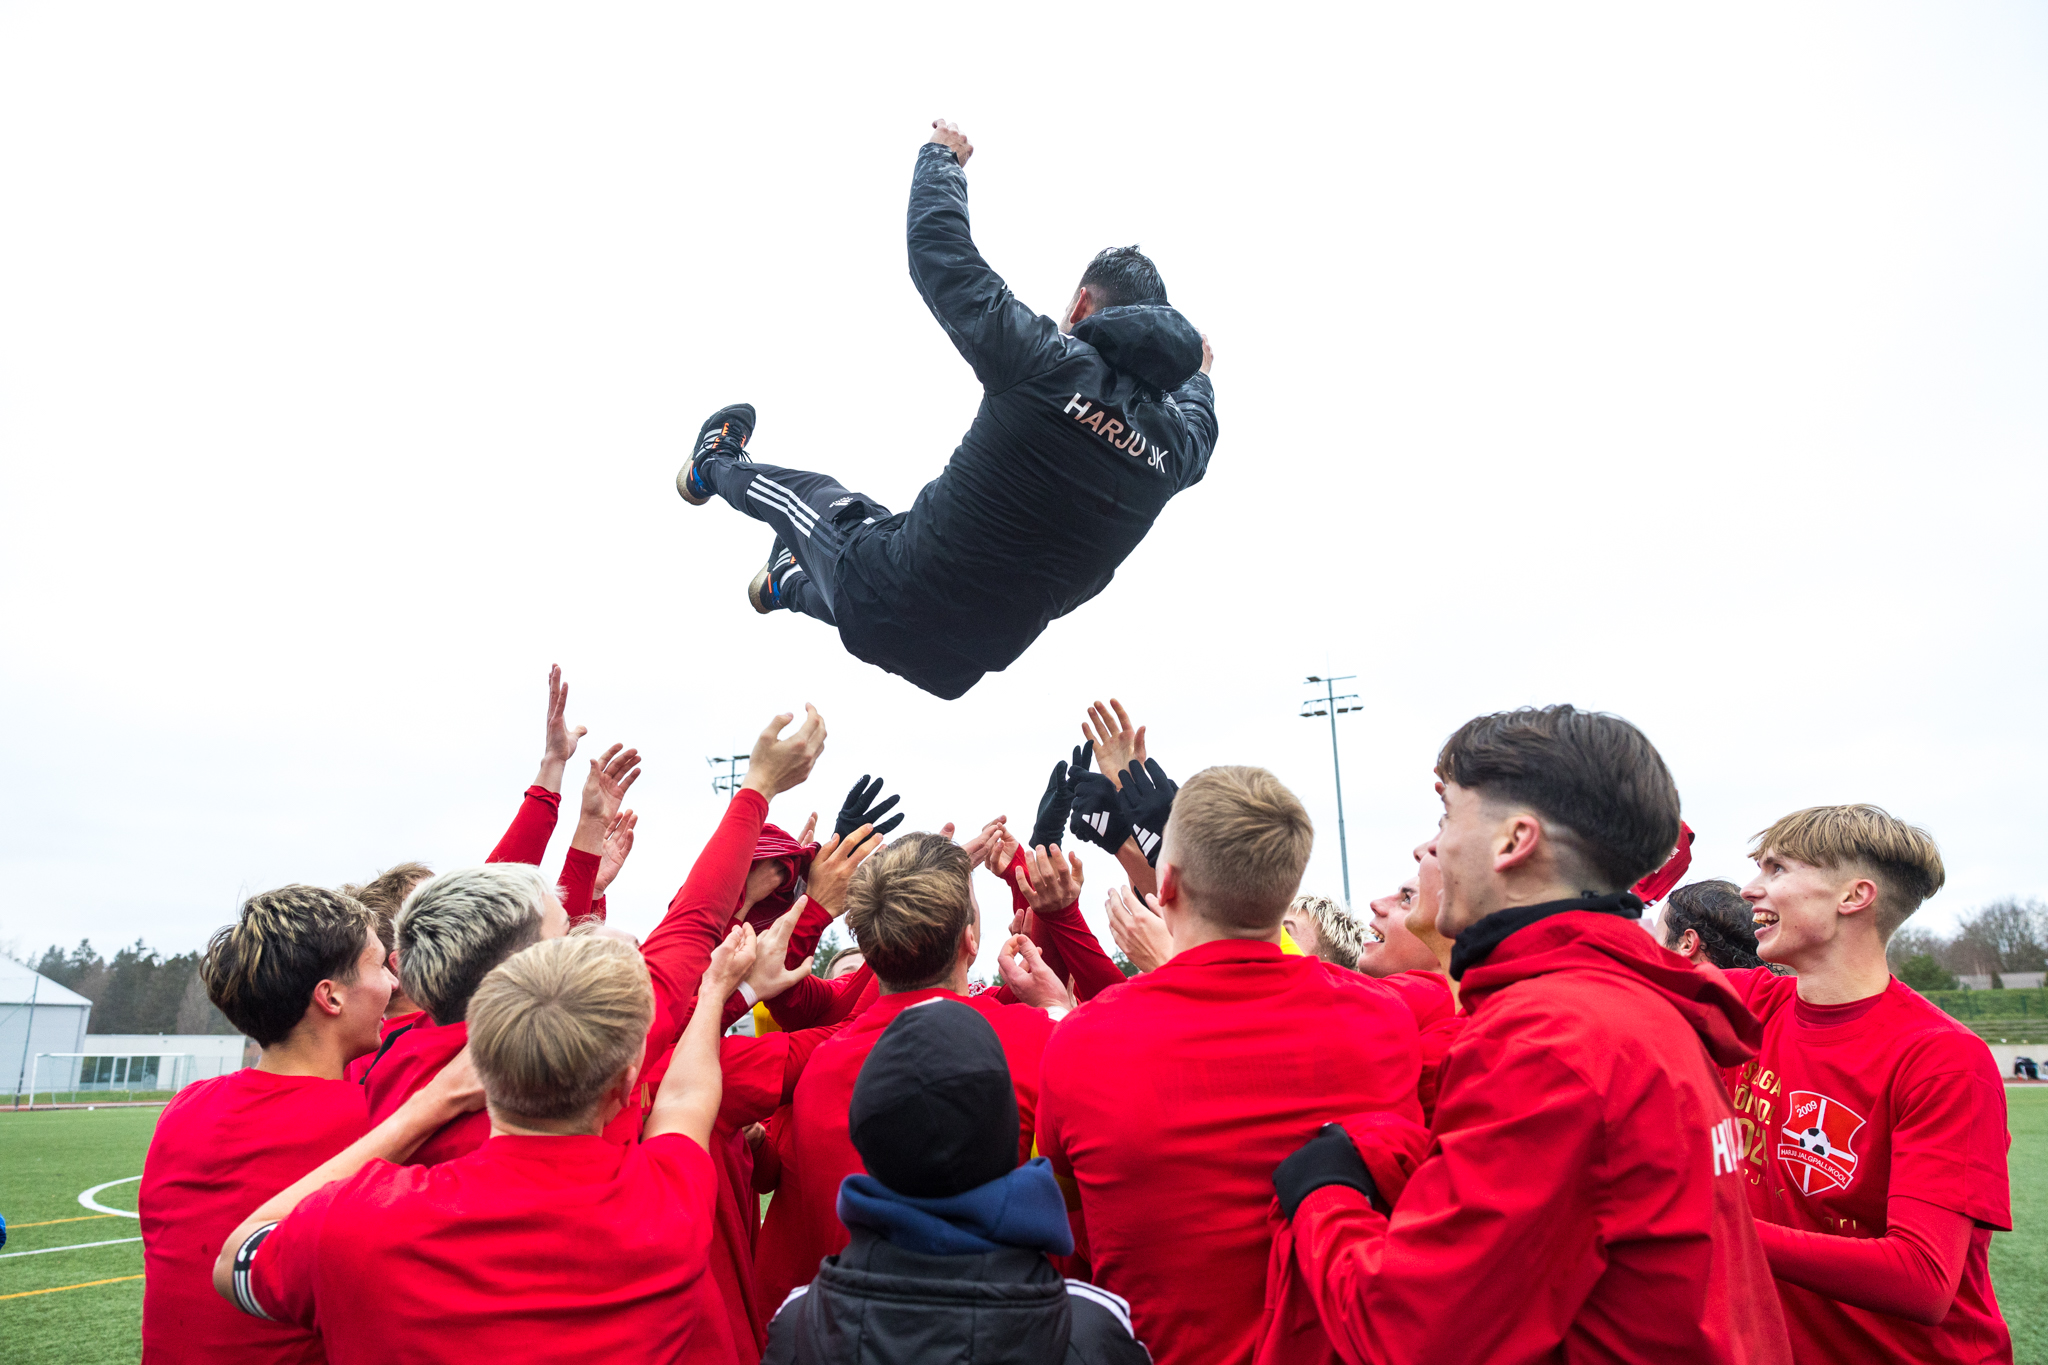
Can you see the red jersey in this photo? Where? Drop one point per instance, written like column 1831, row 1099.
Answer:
column 1580, row 1200
column 534, row 1249
column 1838, row 1117
column 676, row 953
column 1169, row 1099
column 221, row 1148
column 803, row 1224
column 396, row 1023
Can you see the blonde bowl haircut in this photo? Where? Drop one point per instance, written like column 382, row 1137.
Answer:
column 908, row 907
column 1901, row 858
column 1240, row 841
column 556, row 1024
column 1339, row 937
column 457, row 926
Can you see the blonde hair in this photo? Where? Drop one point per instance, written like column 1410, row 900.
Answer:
column 1240, row 841
column 457, row 926
column 1339, row 937
column 557, row 1023
column 908, row 907
column 1901, row 858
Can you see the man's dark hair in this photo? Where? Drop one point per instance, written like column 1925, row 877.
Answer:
column 261, row 970
column 1122, row 275
column 385, row 894
column 1716, row 911
column 1597, row 779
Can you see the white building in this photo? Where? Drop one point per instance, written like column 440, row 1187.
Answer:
column 144, row 1061
column 36, row 1016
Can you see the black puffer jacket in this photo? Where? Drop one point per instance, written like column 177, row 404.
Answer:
column 878, row 1304
column 1079, row 443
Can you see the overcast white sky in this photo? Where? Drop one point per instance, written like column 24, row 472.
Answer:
column 1687, row 365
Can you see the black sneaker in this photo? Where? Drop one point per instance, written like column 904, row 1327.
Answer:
column 765, row 592
column 725, row 432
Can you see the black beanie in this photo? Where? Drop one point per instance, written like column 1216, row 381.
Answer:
column 933, row 1112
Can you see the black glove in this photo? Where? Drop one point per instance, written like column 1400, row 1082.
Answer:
column 1058, row 800
column 1148, row 799
column 1099, row 812
column 859, row 809
column 1328, row 1158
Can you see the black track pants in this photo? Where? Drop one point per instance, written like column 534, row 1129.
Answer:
column 814, row 514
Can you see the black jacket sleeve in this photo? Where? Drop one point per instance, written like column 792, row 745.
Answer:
column 1002, row 339
column 1196, row 401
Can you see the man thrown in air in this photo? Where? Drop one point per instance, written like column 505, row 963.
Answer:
column 1087, row 426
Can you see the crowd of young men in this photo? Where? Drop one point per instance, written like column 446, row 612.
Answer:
column 1499, row 1121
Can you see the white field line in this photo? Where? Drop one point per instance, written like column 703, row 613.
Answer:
column 80, row 1246
column 88, row 1201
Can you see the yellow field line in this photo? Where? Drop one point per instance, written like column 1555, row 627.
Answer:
column 31, row 1293
column 52, row 1222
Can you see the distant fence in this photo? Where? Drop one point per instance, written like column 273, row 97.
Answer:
column 1973, row 1006
column 87, row 1073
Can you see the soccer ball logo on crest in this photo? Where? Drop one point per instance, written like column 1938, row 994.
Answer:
column 1819, row 1156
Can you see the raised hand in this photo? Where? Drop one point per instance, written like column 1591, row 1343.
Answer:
column 771, row 975
column 1001, row 852
column 1117, row 746
column 1029, row 979
column 780, row 762
column 833, row 868
column 978, row 847
column 1052, row 880
column 611, row 773
column 730, row 963
column 618, row 844
column 560, row 745
column 1099, row 815
column 946, row 135
column 1148, row 799
column 1139, row 928
column 810, row 828
column 860, row 809
column 1058, row 801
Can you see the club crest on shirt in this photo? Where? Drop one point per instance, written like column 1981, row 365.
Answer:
column 1814, row 1149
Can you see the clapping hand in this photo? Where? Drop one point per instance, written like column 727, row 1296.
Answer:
column 1148, row 799
column 1117, row 746
column 1139, row 928
column 618, row 843
column 1058, row 801
column 1029, row 979
column 771, row 974
column 860, row 809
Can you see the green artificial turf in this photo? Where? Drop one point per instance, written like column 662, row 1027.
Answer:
column 2019, row 1259
column 46, row 1159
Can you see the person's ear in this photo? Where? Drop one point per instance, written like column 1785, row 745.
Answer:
column 1860, row 895
column 970, row 942
column 327, row 998
column 1688, row 944
column 1082, row 305
column 1516, row 840
column 1169, row 883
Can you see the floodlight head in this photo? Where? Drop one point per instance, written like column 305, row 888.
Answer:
column 1313, row 678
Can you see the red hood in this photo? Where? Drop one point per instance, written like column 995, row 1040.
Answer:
column 1587, row 940
column 779, row 846
column 1657, row 885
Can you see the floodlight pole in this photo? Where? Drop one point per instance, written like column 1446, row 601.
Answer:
column 1332, row 710
column 727, row 782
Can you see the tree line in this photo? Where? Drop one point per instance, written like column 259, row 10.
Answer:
column 139, row 991
column 2005, row 936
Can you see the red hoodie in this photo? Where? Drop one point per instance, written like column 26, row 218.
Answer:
column 1582, row 1199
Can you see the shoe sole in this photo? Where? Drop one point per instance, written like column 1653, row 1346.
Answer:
column 758, row 590
column 683, row 484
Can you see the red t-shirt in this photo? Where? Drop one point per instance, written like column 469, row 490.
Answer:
column 1169, row 1100
column 803, row 1224
column 531, row 1249
column 221, row 1148
column 1837, row 1117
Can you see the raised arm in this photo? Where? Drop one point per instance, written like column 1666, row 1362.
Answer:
column 1001, row 338
column 688, row 1100
column 526, row 841
column 1051, row 883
